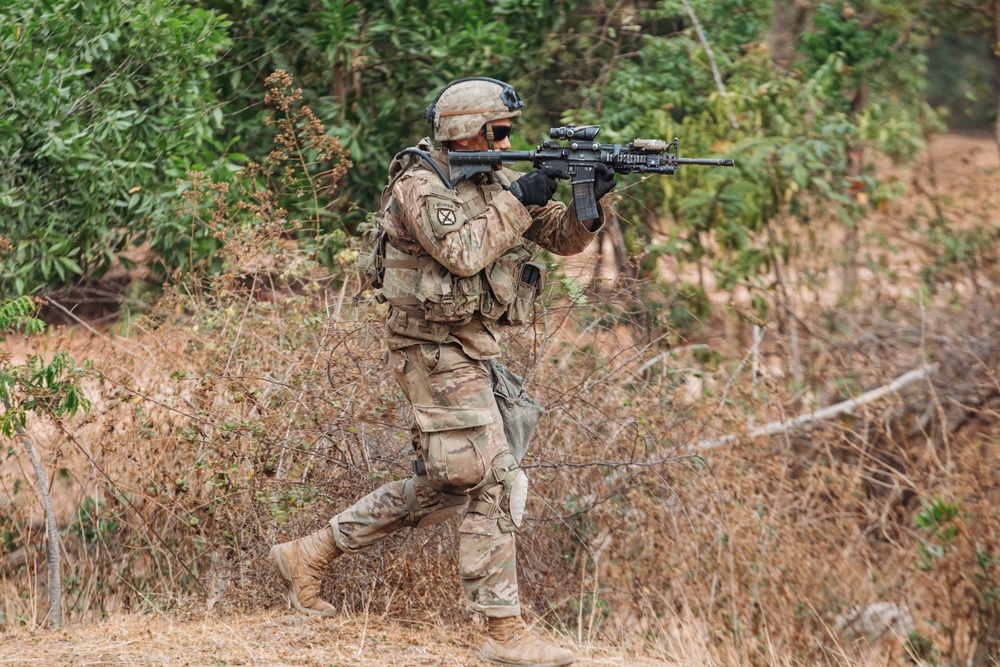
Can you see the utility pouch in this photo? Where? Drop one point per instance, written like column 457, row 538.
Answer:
column 370, row 258
column 529, row 286
column 519, row 411
column 448, row 298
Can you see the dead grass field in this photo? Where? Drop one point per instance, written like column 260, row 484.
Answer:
column 267, row 638
column 216, row 437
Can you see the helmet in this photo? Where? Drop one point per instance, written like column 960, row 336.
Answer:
column 462, row 107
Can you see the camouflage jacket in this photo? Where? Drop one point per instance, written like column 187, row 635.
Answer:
column 466, row 248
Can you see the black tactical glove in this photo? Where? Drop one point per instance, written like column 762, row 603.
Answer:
column 534, row 189
column 604, row 180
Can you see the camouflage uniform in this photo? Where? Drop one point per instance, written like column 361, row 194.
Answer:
column 452, row 280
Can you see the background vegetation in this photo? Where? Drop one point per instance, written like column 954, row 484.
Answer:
column 238, row 399
column 104, row 115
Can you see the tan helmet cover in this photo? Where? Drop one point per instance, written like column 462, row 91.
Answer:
column 463, row 109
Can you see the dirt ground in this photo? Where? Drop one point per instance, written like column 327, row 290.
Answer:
column 269, row 638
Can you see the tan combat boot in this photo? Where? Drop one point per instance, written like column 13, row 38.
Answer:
column 511, row 643
column 301, row 563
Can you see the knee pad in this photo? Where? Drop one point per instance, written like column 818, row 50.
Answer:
column 502, row 494
column 445, row 507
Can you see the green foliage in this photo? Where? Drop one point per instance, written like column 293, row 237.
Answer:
column 938, row 519
column 369, row 68
column 862, row 53
column 574, row 290
column 803, row 138
column 50, row 389
column 104, row 101
column 16, row 316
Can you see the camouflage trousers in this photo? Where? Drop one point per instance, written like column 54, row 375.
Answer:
column 458, row 433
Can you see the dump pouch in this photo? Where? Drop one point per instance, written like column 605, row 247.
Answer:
column 519, row 411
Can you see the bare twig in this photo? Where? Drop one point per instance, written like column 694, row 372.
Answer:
column 711, row 61
column 844, row 407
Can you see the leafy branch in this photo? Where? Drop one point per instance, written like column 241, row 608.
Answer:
column 52, row 390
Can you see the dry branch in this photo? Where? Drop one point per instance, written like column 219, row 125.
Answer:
column 711, row 60
column 844, row 407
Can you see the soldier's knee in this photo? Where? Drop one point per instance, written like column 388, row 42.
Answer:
column 428, row 506
column 500, row 498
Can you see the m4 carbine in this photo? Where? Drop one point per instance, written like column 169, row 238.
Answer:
column 576, row 161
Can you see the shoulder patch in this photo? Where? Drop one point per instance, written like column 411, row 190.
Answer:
column 443, row 210
column 446, row 216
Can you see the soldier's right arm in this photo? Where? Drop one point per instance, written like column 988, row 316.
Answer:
column 464, row 245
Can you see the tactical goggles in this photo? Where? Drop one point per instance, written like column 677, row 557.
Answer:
column 500, row 132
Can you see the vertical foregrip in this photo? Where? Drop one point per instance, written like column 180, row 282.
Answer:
column 585, row 201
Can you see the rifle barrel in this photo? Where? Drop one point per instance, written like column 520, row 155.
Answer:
column 489, row 157
column 711, row 161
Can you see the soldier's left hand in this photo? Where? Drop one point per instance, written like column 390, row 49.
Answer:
column 604, row 180
column 534, row 189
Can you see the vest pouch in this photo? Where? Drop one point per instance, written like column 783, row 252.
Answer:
column 489, row 307
column 503, row 274
column 445, row 297
column 370, row 257
column 402, row 323
column 531, row 282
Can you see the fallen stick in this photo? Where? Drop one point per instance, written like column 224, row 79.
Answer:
column 773, row 428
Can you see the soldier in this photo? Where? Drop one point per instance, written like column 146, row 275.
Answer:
column 457, row 270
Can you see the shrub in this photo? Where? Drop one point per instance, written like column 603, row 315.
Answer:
column 104, row 101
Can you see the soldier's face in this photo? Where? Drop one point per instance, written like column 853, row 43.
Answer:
column 479, row 142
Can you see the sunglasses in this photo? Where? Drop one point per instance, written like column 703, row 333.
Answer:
column 500, row 132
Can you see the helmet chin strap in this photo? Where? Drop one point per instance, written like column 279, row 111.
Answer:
column 489, row 135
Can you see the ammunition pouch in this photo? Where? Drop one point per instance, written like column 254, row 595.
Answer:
column 371, row 258
column 531, row 282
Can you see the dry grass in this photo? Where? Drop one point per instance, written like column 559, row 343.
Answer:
column 267, row 638
column 243, row 411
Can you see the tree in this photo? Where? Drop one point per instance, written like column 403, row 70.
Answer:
column 368, row 68
column 50, row 389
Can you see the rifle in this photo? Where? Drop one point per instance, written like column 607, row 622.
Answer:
column 577, row 160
